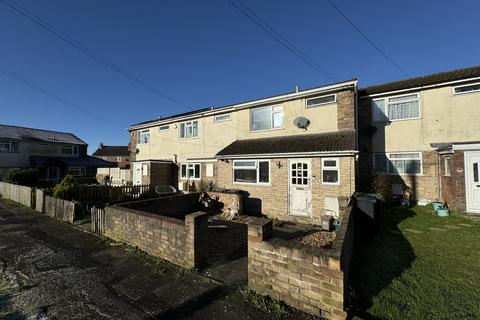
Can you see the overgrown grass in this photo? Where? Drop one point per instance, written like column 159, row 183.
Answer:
column 265, row 303
column 410, row 271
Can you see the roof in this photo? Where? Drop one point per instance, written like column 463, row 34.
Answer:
column 87, row 161
column 112, row 151
column 287, row 95
column 23, row 133
column 432, row 79
column 302, row 143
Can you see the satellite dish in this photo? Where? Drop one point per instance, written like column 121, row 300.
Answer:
column 301, row 122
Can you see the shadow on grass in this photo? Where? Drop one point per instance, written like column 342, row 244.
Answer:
column 379, row 260
column 4, row 307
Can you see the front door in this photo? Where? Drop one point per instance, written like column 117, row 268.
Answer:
column 137, row 173
column 300, row 189
column 472, row 181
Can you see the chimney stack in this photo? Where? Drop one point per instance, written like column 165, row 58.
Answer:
column 297, row 88
column 101, row 145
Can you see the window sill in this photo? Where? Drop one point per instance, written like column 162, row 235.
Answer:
column 266, row 130
column 254, row 184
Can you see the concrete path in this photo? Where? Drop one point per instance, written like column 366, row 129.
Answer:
column 51, row 270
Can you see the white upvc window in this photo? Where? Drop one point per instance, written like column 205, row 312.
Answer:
column 188, row 129
column 190, row 171
column 266, row 118
column 76, row 171
column 73, row 150
column 331, row 171
column 164, row 127
column 143, row 136
column 447, row 164
column 321, row 100
column 398, row 163
column 251, row 171
column 467, row 88
column 396, row 108
column 223, row 117
column 8, row 146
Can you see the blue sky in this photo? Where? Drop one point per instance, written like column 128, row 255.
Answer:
column 206, row 53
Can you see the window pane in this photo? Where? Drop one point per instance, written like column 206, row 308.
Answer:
column 320, row 100
column 249, row 176
column 475, row 172
column 184, row 171
column 67, row 150
column 278, row 119
column 404, row 167
column 330, row 176
column 194, row 128
column 264, row 174
column 378, row 111
column 182, row 130
column 241, row 164
column 447, row 166
column 403, row 110
column 404, row 155
column 473, row 87
column 261, row 119
column 197, row 170
column 163, row 128
column 188, row 133
column 138, row 137
column 4, row 146
column 330, row 163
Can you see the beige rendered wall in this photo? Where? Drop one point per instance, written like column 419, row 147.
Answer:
column 444, row 117
column 213, row 136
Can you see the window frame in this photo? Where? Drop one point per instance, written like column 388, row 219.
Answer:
column 335, row 168
column 187, row 167
column 466, row 92
column 10, row 146
column 82, row 171
column 322, row 103
column 228, row 115
column 387, row 104
column 163, row 126
column 387, row 167
column 256, row 167
column 74, row 150
column 185, row 123
column 447, row 173
column 272, row 112
column 140, row 133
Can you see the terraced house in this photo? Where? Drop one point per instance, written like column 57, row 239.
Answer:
column 424, row 134
column 294, row 154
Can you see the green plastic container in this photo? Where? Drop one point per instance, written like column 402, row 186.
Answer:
column 443, row 212
column 437, row 205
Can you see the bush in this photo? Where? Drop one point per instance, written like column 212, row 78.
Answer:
column 66, row 188
column 29, row 177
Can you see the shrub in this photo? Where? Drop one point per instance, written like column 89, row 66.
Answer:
column 65, row 188
column 22, row 176
column 204, row 186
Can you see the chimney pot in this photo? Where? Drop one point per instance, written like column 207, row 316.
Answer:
column 101, row 145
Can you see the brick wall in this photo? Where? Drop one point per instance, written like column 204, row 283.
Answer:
column 181, row 242
column 273, row 200
column 312, row 281
column 346, row 110
column 453, row 186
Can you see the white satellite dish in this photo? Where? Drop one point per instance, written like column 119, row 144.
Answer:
column 301, row 122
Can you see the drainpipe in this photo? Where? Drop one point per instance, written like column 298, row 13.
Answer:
column 437, row 169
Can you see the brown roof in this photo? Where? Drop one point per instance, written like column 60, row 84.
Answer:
column 303, row 143
column 112, row 151
column 432, row 79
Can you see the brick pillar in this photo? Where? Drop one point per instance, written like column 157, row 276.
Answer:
column 196, row 227
column 346, row 110
column 260, row 230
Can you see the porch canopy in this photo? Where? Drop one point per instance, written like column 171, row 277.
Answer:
column 87, row 161
column 314, row 144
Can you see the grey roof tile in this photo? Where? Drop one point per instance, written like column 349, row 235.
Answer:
column 23, row 133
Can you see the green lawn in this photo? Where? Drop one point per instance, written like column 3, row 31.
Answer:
column 409, row 271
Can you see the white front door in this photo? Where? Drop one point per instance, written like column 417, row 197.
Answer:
column 472, row 181
column 137, row 173
column 300, row 188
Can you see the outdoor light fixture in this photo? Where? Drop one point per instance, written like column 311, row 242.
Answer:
column 279, row 164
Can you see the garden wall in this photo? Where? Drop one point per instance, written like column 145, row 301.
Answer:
column 17, row 193
column 60, row 209
column 182, row 242
column 228, row 200
column 313, row 281
column 173, row 206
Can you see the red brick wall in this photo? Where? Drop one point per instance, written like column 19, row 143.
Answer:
column 453, row 186
column 122, row 163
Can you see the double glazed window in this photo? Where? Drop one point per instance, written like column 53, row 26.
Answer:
column 164, row 127
column 8, row 146
column 330, row 171
column 73, row 150
column 396, row 108
column 190, row 170
column 469, row 88
column 446, row 171
column 318, row 101
column 251, row 171
column 76, row 171
column 266, row 118
column 143, row 136
column 223, row 117
column 188, row 129
column 409, row 163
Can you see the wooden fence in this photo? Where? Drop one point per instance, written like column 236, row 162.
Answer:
column 98, row 220
column 109, row 194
